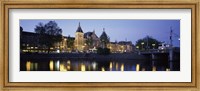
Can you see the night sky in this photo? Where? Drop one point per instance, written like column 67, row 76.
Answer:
column 117, row 30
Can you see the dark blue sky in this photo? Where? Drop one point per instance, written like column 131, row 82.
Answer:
column 116, row 29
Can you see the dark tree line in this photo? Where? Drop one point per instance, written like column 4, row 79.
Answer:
column 49, row 34
column 147, row 43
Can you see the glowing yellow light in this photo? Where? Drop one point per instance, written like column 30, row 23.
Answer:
column 122, row 67
column 62, row 67
column 68, row 62
column 51, row 65
column 117, row 66
column 137, row 67
column 25, row 50
column 154, row 68
column 110, row 66
column 102, row 69
column 68, row 67
column 167, row 69
column 82, row 67
column 28, row 66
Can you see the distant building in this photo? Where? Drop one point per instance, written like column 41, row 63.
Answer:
column 91, row 41
column 82, row 42
column 29, row 42
column 120, row 47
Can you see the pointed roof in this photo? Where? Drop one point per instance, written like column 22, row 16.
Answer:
column 87, row 34
column 79, row 29
column 104, row 35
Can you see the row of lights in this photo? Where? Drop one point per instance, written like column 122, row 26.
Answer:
column 143, row 44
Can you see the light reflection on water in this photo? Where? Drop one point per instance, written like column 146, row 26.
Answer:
column 82, row 65
column 122, row 67
column 138, row 67
column 51, row 65
column 154, row 68
column 30, row 66
column 102, row 69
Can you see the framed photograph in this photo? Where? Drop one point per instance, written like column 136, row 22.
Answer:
column 100, row 45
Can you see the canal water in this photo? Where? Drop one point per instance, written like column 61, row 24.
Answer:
column 97, row 65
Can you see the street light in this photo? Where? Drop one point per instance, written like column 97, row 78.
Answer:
column 137, row 47
column 153, row 45
column 142, row 45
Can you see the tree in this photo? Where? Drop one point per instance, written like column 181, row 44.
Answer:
column 103, row 51
column 49, row 34
column 147, row 43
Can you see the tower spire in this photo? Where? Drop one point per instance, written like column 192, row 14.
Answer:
column 79, row 29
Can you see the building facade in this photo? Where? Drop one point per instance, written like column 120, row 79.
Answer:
column 79, row 39
column 82, row 42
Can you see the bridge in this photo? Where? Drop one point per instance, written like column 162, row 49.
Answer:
column 161, row 54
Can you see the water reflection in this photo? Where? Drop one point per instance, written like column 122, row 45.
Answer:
column 62, row 67
column 122, row 67
column 28, row 65
column 57, row 65
column 31, row 66
column 82, row 67
column 110, row 66
column 116, row 66
column 154, row 68
column 51, row 65
column 96, row 65
column 138, row 67
column 143, row 69
column 167, row 69
column 102, row 69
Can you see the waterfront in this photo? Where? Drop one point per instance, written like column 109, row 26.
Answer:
column 49, row 46
column 47, row 64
